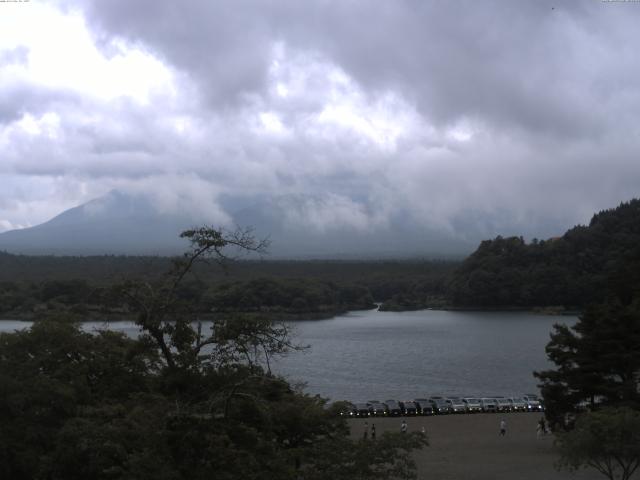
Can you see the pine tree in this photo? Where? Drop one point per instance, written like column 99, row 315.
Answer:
column 598, row 360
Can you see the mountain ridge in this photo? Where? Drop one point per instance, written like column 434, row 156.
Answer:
column 299, row 227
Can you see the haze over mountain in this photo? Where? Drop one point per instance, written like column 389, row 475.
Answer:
column 299, row 226
column 113, row 224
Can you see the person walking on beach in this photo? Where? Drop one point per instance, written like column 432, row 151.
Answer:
column 503, row 427
column 541, row 429
column 373, row 431
column 366, row 430
column 403, row 427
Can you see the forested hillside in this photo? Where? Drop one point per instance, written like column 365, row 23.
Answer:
column 32, row 285
column 569, row 271
column 572, row 271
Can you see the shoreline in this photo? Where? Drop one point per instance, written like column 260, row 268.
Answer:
column 313, row 316
column 559, row 311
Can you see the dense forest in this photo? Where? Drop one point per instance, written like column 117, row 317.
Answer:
column 563, row 273
column 570, row 271
column 32, row 285
column 558, row 274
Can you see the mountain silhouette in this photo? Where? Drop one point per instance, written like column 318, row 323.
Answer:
column 298, row 226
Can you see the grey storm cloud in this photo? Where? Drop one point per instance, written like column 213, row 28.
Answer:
column 18, row 99
column 525, row 64
column 478, row 118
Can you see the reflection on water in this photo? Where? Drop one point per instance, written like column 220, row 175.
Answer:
column 371, row 354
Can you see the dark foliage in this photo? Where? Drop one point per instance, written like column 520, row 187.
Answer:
column 597, row 360
column 177, row 402
column 607, row 441
column 284, row 289
column 572, row 271
column 287, row 295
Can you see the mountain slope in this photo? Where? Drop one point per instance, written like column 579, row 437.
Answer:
column 299, row 226
column 302, row 226
column 112, row 224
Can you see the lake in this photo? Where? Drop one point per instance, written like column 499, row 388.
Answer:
column 378, row 355
column 404, row 355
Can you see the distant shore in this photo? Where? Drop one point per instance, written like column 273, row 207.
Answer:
column 304, row 316
column 129, row 317
column 547, row 310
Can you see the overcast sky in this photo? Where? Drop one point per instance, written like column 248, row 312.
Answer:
column 514, row 115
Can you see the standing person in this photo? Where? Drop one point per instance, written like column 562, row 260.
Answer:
column 403, row 427
column 503, row 427
column 366, row 430
column 565, row 422
column 547, row 428
column 541, row 429
column 373, row 431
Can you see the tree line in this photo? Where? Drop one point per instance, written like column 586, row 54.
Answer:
column 280, row 297
column 573, row 270
column 296, row 289
column 569, row 272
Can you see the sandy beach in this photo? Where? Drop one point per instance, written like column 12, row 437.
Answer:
column 469, row 447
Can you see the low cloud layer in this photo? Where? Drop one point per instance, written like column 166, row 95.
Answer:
column 472, row 118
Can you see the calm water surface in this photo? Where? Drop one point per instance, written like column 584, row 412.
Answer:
column 370, row 354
